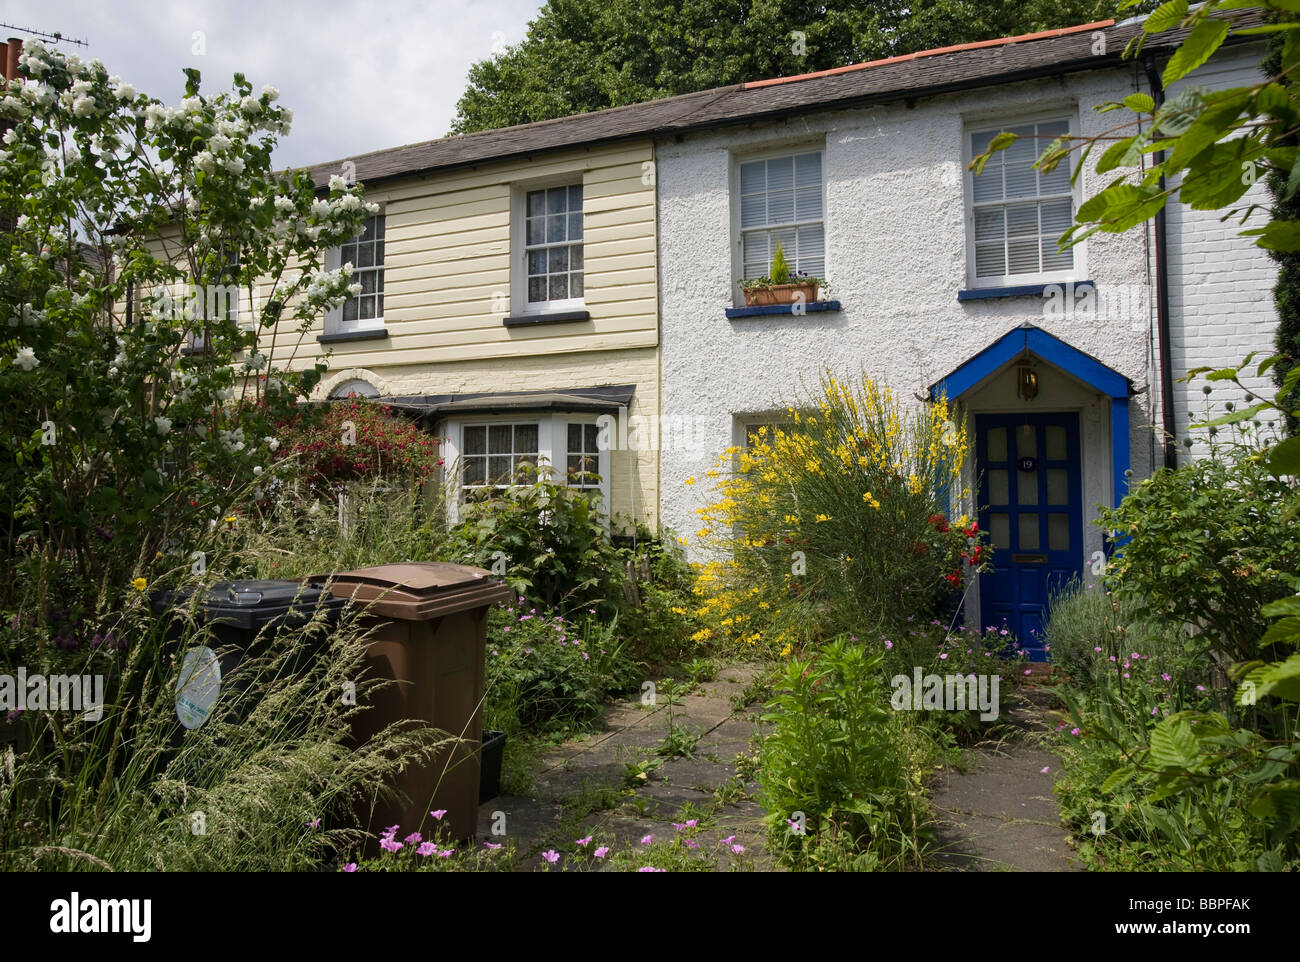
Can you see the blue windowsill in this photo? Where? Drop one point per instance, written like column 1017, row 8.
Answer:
column 812, row 307
column 1025, row 290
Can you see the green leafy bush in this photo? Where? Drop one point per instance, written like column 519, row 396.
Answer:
column 840, row 756
column 546, row 672
column 548, row 541
column 1207, row 547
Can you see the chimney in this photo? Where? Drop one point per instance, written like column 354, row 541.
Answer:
column 13, row 51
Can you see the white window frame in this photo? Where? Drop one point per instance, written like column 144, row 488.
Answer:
column 552, row 448
column 969, row 129
column 334, row 323
column 519, row 304
column 737, row 232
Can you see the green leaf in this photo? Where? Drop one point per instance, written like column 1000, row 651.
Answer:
column 1222, row 374
column 1284, row 458
column 1279, row 679
column 1121, row 206
column 1140, row 103
column 1165, row 16
column 1123, row 153
column 1200, row 44
column 1117, row 778
column 1267, row 28
column 1212, row 125
column 1279, row 235
column 1172, row 744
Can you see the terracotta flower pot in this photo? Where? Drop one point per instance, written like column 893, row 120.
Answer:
column 781, row 294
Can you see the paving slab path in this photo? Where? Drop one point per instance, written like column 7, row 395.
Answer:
column 1000, row 814
column 590, row 785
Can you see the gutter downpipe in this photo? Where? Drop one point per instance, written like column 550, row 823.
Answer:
column 1162, row 292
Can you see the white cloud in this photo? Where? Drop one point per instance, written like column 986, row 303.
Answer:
column 358, row 76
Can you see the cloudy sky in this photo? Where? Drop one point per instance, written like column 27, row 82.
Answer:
column 359, row 76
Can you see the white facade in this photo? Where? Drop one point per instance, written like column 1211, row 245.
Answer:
column 897, row 253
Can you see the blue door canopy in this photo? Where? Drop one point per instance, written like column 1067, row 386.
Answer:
column 1028, row 340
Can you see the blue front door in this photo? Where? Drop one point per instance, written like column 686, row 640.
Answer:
column 1030, row 500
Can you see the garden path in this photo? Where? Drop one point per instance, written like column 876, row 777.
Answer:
column 1001, row 815
column 591, row 784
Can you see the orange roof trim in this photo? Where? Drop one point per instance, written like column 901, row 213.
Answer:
column 998, row 42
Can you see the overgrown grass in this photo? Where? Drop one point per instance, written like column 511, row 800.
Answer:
column 267, row 784
column 382, row 522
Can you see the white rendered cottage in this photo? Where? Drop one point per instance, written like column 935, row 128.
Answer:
column 1065, row 365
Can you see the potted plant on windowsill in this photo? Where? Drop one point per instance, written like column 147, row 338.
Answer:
column 781, row 285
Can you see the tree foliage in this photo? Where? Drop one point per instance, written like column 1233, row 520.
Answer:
column 583, row 55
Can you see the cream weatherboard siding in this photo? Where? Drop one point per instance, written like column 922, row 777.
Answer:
column 447, row 290
column 447, row 263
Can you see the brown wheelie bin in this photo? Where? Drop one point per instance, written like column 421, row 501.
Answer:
column 430, row 623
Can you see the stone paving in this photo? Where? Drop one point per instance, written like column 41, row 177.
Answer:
column 590, row 785
column 1000, row 815
column 997, row 815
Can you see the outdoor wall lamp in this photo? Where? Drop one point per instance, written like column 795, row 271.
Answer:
column 1027, row 383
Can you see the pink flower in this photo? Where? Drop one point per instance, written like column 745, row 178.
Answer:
column 601, row 852
column 439, row 813
column 1098, row 648
column 389, row 845
column 350, row 867
column 943, row 656
column 447, row 853
column 728, row 840
column 426, row 849
column 1165, row 676
column 493, row 846
column 584, row 842
column 651, row 868
column 646, row 840
column 1029, row 671
column 737, row 850
column 691, row 843
column 1075, row 732
column 413, row 839
column 1045, row 768
column 551, row 855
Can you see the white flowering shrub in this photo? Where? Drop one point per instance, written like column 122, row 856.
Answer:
column 137, row 406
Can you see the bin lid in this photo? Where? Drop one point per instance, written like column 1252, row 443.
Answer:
column 418, row 590
column 250, row 604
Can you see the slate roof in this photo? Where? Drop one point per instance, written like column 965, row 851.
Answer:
column 922, row 74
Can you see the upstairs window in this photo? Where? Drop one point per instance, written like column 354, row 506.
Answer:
column 781, row 202
column 365, row 253
column 553, row 259
column 1017, row 214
